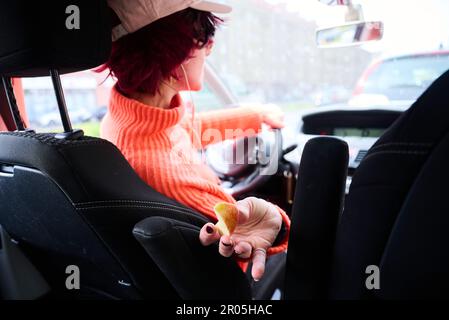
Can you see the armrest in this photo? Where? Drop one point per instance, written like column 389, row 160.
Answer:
column 195, row 271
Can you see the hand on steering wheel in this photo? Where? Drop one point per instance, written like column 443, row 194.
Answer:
column 258, row 225
column 274, row 117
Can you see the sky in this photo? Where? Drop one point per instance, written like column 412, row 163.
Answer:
column 409, row 25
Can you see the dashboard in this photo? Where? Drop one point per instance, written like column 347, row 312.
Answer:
column 358, row 132
column 349, row 123
column 359, row 127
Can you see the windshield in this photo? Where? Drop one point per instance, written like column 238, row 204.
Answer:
column 266, row 52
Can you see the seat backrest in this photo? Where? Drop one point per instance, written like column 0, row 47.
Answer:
column 70, row 200
column 395, row 215
column 76, row 203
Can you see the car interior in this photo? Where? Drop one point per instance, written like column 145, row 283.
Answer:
column 69, row 199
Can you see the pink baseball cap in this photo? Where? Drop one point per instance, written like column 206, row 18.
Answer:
column 135, row 14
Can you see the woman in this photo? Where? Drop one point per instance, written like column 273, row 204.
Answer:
column 159, row 49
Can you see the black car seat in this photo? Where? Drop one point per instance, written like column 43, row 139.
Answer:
column 70, row 200
column 395, row 217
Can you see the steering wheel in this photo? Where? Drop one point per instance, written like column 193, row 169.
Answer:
column 246, row 163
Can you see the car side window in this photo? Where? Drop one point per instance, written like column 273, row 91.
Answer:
column 204, row 100
column 86, row 101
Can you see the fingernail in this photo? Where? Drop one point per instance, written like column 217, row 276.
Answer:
column 237, row 252
column 209, row 230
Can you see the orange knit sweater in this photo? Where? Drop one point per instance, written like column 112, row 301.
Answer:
column 158, row 145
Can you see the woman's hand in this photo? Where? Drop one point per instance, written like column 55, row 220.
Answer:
column 271, row 114
column 259, row 223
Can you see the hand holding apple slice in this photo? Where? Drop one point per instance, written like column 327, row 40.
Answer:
column 227, row 214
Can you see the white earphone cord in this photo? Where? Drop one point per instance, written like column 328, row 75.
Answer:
column 193, row 114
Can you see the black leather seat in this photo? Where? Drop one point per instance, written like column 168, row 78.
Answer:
column 76, row 200
column 76, row 203
column 396, row 216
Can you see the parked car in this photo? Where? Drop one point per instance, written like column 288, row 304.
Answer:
column 399, row 78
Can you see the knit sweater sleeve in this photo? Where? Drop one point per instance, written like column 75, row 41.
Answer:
column 284, row 233
column 219, row 125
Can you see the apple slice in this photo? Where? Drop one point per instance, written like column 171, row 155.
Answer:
column 227, row 214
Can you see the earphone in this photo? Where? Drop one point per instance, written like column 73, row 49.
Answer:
column 185, row 77
column 193, row 108
column 193, row 111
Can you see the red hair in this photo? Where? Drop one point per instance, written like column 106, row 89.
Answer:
column 141, row 60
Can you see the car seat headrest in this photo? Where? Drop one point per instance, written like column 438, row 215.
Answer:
column 68, row 36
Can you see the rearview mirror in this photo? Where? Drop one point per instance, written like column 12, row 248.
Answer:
column 336, row 2
column 349, row 34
